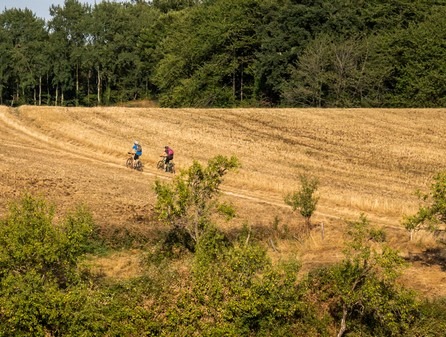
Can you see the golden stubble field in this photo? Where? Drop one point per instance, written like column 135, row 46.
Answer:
column 368, row 161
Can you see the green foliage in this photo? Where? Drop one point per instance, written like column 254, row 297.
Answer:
column 23, row 54
column 224, row 289
column 236, row 291
column 310, row 75
column 416, row 54
column 432, row 321
column 280, row 230
column 433, row 211
column 304, row 200
column 39, row 281
column 187, row 202
column 378, row 235
column 227, row 210
column 80, row 232
column 361, row 292
column 226, row 53
column 29, row 240
column 209, row 53
column 173, row 5
column 333, row 71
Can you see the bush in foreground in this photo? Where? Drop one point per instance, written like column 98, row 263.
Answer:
column 40, row 286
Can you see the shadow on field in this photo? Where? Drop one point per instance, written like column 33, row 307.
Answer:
column 272, row 233
column 431, row 256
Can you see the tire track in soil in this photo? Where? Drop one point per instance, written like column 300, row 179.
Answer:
column 49, row 145
column 31, row 135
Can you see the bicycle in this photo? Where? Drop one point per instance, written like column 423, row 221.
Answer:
column 129, row 163
column 161, row 165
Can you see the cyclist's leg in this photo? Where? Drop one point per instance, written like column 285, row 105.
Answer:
column 170, row 163
column 135, row 160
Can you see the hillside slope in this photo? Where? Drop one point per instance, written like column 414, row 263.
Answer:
column 367, row 161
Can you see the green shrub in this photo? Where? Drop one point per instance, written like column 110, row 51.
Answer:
column 378, row 235
column 187, row 203
column 432, row 211
column 304, row 200
column 432, row 319
column 236, row 291
column 360, row 292
column 227, row 210
column 38, row 268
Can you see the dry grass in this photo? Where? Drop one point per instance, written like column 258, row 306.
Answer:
column 368, row 161
column 121, row 265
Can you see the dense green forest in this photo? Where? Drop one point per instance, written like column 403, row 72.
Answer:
column 227, row 53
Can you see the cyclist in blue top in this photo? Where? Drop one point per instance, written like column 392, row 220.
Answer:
column 138, row 152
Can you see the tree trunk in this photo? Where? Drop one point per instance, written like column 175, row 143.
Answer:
column 241, row 85
column 233, row 85
column 48, row 99
column 88, row 87
column 99, row 87
column 77, row 84
column 308, row 224
column 107, row 93
column 17, row 96
column 40, row 90
column 343, row 321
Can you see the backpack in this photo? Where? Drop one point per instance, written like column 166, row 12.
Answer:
column 138, row 148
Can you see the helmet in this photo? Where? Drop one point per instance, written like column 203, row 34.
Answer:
column 136, row 142
column 166, row 147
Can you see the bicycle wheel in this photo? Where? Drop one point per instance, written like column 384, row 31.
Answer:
column 139, row 166
column 129, row 163
column 172, row 168
column 160, row 165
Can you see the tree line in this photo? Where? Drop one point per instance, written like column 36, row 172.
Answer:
column 227, row 53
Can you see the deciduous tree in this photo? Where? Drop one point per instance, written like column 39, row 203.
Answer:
column 304, row 199
column 433, row 210
column 187, row 202
column 361, row 292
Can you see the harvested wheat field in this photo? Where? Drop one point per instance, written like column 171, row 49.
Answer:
column 367, row 161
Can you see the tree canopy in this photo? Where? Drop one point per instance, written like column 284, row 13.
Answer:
column 226, row 53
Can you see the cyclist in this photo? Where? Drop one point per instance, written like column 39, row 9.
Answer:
column 168, row 157
column 137, row 148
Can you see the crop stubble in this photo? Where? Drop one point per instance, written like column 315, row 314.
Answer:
column 368, row 161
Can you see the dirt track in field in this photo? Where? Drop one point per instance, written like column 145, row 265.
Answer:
column 367, row 161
